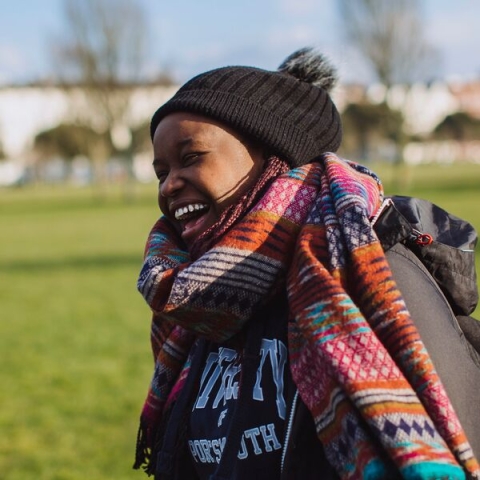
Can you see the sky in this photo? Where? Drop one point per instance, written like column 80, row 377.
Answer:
column 188, row 37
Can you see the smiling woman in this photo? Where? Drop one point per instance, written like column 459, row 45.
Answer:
column 283, row 347
column 203, row 168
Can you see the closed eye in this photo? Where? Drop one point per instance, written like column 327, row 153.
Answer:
column 160, row 170
column 191, row 158
column 161, row 175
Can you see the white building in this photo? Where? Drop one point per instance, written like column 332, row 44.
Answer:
column 26, row 111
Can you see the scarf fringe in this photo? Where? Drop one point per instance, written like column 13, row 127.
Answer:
column 143, row 452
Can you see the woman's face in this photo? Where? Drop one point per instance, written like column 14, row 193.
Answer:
column 202, row 167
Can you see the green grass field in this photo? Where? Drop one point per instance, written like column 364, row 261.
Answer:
column 74, row 332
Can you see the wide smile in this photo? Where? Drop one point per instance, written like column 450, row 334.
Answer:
column 189, row 211
column 192, row 219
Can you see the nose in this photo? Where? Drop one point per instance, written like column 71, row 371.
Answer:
column 171, row 184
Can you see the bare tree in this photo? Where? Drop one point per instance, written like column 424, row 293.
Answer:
column 390, row 35
column 99, row 58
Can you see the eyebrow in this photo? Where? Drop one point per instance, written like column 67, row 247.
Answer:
column 180, row 144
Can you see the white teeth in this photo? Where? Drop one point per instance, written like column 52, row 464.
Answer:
column 179, row 212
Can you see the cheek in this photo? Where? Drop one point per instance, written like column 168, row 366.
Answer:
column 229, row 188
column 224, row 184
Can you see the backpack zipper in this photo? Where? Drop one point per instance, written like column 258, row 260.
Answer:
column 420, row 238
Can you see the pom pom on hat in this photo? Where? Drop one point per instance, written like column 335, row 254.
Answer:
column 312, row 67
column 289, row 111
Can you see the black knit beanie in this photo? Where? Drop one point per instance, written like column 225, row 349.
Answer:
column 289, row 110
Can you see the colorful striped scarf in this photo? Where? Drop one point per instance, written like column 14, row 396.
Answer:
column 356, row 357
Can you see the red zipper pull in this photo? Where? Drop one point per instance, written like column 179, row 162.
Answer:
column 423, row 239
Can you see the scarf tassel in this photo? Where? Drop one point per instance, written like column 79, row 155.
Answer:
column 143, row 453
